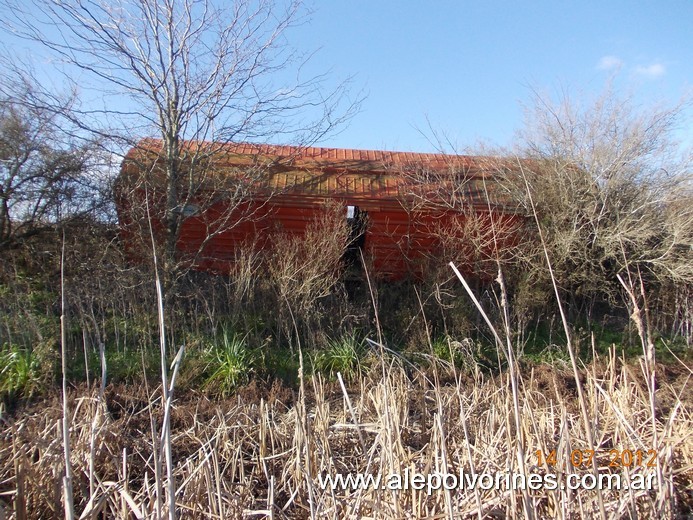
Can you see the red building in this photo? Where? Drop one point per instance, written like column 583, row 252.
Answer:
column 399, row 204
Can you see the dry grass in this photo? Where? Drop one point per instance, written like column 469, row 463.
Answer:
column 259, row 456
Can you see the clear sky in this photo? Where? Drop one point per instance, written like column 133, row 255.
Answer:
column 464, row 68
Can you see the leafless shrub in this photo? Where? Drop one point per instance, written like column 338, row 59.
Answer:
column 462, row 212
column 245, row 274
column 48, row 176
column 306, row 266
column 187, row 71
column 613, row 192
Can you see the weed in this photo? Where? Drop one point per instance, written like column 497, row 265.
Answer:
column 463, row 354
column 280, row 363
column 232, row 362
column 345, row 355
column 552, row 354
column 20, row 373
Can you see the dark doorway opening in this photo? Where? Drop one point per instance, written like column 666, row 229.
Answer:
column 357, row 222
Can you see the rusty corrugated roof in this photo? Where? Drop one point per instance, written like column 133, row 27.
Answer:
column 330, row 158
column 325, row 172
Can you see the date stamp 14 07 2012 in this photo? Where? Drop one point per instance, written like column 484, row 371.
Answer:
column 616, row 458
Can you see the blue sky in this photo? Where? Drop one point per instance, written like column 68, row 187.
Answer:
column 465, row 68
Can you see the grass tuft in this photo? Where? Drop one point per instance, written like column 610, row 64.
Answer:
column 345, row 355
column 231, row 364
column 20, row 372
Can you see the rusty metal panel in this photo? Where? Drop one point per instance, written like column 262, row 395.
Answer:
column 300, row 180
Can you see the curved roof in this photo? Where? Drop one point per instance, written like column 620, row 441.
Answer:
column 331, row 158
column 349, row 173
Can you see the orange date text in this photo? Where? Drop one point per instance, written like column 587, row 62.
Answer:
column 616, row 458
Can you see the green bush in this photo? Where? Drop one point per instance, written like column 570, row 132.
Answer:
column 280, row 363
column 465, row 354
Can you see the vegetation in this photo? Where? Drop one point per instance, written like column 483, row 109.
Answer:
column 292, row 377
column 232, row 364
column 445, row 381
column 259, row 453
column 196, row 394
column 345, row 356
column 45, row 173
column 19, row 373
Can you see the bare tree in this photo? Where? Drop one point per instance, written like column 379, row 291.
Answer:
column 195, row 70
column 47, row 175
column 196, row 74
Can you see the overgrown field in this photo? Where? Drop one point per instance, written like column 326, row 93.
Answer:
column 268, row 403
column 558, row 357
column 262, row 453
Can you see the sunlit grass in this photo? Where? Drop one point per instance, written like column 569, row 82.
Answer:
column 231, row 364
column 246, row 458
column 20, row 372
